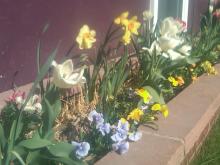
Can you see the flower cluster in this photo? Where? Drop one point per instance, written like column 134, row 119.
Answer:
column 208, row 68
column 130, row 26
column 176, row 81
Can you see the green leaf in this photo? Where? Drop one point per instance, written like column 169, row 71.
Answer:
column 18, row 157
column 61, row 149
column 2, row 137
column 35, row 143
column 156, row 97
column 66, row 160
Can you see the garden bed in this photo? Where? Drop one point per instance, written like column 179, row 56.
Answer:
column 192, row 114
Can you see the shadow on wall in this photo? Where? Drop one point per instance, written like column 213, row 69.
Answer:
column 21, row 23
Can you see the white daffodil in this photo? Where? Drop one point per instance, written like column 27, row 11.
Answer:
column 166, row 43
column 65, row 77
column 170, row 27
column 154, row 46
column 147, row 15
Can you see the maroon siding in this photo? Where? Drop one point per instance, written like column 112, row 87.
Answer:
column 21, row 22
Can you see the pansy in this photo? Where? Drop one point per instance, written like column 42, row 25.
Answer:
column 123, row 124
column 86, row 37
column 96, row 117
column 173, row 81
column 104, row 128
column 121, row 147
column 180, row 80
column 120, row 20
column 136, row 114
column 119, row 135
column 81, row 149
column 64, row 76
column 135, row 136
column 144, row 94
column 162, row 108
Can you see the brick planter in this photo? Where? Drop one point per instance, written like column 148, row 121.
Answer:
column 192, row 114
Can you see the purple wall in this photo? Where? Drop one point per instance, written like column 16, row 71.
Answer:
column 21, row 23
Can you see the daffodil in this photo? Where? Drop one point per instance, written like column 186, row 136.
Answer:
column 120, row 20
column 126, row 39
column 162, row 108
column 173, row 81
column 147, row 15
column 136, row 115
column 64, row 76
column 132, row 25
column 144, row 94
column 86, row 37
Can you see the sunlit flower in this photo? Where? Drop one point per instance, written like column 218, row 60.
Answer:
column 64, row 76
column 123, row 124
column 119, row 135
column 135, row 136
column 166, row 43
column 81, row 149
column 162, row 108
column 136, row 115
column 208, row 68
column 170, row 27
column 120, row 20
column 180, row 80
column 86, row 37
column 17, row 97
column 144, row 94
column 132, row 25
column 126, row 38
column 33, row 105
column 147, row 15
column 105, row 128
column 96, row 118
column 121, row 147
column 173, row 81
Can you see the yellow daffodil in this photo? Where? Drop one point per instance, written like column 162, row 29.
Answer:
column 136, row 115
column 132, row 25
column 144, row 94
column 120, row 20
column 126, row 39
column 162, row 108
column 86, row 37
column 173, row 81
column 180, row 80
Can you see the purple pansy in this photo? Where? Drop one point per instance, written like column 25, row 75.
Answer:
column 121, row 147
column 123, row 125
column 82, row 149
column 105, row 129
column 96, row 117
column 135, row 136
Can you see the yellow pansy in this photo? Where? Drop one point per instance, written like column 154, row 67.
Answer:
column 180, row 80
column 126, row 39
column 156, row 107
column 173, row 81
column 162, row 108
column 135, row 114
column 144, row 94
column 207, row 66
column 132, row 25
column 86, row 37
column 119, row 20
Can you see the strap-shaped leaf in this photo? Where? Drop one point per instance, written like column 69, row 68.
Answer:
column 61, row 149
column 35, row 143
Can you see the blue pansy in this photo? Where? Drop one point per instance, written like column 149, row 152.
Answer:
column 119, row 135
column 135, row 136
column 105, row 129
column 123, row 125
column 82, row 149
column 96, row 117
column 121, row 147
